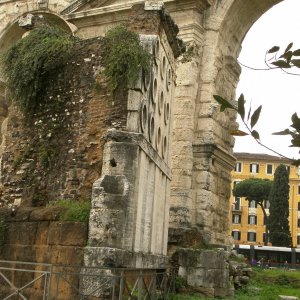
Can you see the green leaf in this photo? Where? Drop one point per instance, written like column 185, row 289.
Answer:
column 284, row 132
column 296, row 122
column 281, row 64
column 274, row 49
column 296, row 62
column 223, row 102
column 249, row 113
column 296, row 52
column 255, row 116
column 290, row 45
column 287, row 55
column 255, row 134
column 241, row 106
column 238, row 132
column 295, row 142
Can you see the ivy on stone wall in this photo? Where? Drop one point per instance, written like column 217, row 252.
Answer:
column 123, row 58
column 28, row 65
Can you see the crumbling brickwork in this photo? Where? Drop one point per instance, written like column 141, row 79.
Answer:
column 57, row 154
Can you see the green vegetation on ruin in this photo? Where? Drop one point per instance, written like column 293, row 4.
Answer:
column 31, row 62
column 265, row 284
column 123, row 58
column 74, row 210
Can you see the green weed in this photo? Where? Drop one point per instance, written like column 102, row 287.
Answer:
column 264, row 285
column 74, row 210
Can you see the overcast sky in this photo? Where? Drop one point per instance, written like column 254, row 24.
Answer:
column 278, row 92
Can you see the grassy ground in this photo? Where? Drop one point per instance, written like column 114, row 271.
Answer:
column 264, row 285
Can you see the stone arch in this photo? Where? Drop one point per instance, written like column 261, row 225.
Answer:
column 13, row 32
column 226, row 24
column 201, row 187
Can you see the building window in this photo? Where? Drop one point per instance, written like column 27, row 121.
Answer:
column 237, row 203
column 236, row 219
column 252, row 204
column 298, row 206
column 254, row 168
column 238, row 167
column 298, row 223
column 269, row 169
column 299, row 189
column 236, row 235
column 267, row 204
column 252, row 220
column 298, row 240
column 251, row 236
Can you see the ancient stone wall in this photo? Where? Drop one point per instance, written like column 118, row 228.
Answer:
column 206, row 271
column 57, row 154
column 130, row 208
column 37, row 235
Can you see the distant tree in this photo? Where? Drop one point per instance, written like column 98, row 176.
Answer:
column 279, row 209
column 258, row 190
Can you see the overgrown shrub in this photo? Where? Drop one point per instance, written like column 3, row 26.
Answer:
column 180, row 283
column 31, row 61
column 123, row 58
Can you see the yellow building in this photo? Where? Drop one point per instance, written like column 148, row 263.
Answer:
column 247, row 221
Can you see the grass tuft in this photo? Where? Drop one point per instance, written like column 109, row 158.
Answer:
column 74, row 211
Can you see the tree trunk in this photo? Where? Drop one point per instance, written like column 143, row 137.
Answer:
column 261, row 204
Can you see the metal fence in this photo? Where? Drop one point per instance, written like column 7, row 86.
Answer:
column 22, row 280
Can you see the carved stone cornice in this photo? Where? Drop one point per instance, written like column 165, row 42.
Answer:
column 219, row 155
column 115, row 136
column 179, row 5
column 122, row 8
column 101, row 15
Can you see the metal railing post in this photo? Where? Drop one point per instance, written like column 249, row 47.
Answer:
column 154, row 282
column 140, row 285
column 50, row 283
column 121, row 285
column 165, row 286
column 57, row 285
column 113, row 286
